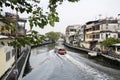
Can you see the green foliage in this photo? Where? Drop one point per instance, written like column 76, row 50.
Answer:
column 32, row 38
column 54, row 36
column 110, row 41
column 38, row 18
column 2, row 43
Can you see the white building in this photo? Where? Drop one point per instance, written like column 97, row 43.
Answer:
column 99, row 30
column 71, row 31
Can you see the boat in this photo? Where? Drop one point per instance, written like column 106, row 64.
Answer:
column 92, row 53
column 60, row 50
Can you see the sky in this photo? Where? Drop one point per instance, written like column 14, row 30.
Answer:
column 80, row 13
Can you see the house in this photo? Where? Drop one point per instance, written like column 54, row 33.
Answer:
column 99, row 30
column 14, row 20
column 71, row 34
column 80, row 35
column 7, row 53
column 7, row 56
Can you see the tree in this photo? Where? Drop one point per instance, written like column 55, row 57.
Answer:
column 54, row 36
column 110, row 41
column 38, row 18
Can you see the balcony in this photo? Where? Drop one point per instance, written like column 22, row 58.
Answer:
column 92, row 39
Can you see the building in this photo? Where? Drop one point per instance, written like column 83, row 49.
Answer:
column 80, row 36
column 7, row 53
column 7, row 56
column 14, row 21
column 99, row 30
column 71, row 34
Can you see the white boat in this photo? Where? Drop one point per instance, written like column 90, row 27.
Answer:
column 92, row 53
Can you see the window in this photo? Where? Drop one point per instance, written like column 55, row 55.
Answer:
column 115, row 36
column 97, row 36
column 73, row 30
column 7, row 56
column 118, row 35
column 93, row 36
column 97, row 27
column 13, row 52
column 118, row 49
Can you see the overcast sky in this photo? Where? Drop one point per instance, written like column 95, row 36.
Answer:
column 81, row 12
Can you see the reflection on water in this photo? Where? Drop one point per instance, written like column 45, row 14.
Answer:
column 35, row 52
column 38, row 50
column 51, row 46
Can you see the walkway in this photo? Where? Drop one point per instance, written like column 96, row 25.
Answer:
column 112, row 57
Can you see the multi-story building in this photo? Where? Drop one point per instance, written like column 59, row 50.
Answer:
column 80, row 35
column 21, row 28
column 7, row 53
column 99, row 30
column 14, row 20
column 71, row 32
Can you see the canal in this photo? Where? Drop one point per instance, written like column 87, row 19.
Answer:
column 44, row 64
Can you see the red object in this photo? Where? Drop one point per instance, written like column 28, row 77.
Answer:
column 62, row 51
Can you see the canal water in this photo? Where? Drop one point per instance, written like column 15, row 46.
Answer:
column 34, row 57
column 44, row 64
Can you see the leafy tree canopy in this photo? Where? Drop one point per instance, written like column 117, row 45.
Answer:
column 110, row 41
column 38, row 18
column 54, row 36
